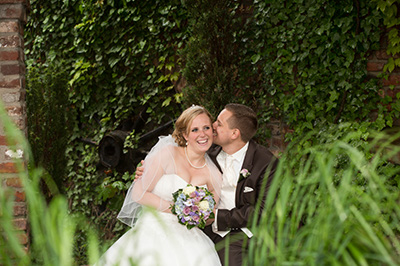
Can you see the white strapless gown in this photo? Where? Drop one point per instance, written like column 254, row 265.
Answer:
column 158, row 238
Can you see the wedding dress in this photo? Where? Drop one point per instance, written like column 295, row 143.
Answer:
column 156, row 237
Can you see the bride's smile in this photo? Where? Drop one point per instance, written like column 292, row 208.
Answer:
column 200, row 136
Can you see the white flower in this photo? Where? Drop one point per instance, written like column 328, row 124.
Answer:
column 204, row 205
column 245, row 173
column 14, row 154
column 189, row 190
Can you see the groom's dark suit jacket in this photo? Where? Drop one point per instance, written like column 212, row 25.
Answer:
column 258, row 160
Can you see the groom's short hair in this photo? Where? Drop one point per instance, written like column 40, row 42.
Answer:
column 244, row 119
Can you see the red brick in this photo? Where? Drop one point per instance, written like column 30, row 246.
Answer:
column 23, row 238
column 19, row 210
column 375, row 66
column 278, row 142
column 13, row 12
column 287, row 129
column 275, row 129
column 8, row 168
column 14, row 182
column 14, row 69
column 20, row 196
column 276, row 152
column 13, row 1
column 13, row 97
column 392, row 93
column 382, row 55
column 13, row 83
column 381, row 93
column 20, row 223
column 393, row 80
column 10, row 41
column 3, row 141
column 9, row 26
column 14, row 111
column 21, row 123
column 396, row 123
column 9, row 55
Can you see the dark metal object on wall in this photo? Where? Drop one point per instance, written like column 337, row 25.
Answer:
column 111, row 149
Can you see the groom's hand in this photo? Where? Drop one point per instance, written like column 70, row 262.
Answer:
column 139, row 170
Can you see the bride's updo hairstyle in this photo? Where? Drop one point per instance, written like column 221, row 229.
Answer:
column 184, row 121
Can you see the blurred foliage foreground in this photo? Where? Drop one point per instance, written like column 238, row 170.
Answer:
column 331, row 204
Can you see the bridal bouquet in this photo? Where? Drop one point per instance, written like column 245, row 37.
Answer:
column 193, row 206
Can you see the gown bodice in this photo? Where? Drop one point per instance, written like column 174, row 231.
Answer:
column 167, row 185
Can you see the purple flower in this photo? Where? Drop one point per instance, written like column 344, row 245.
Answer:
column 196, row 218
column 186, row 210
column 194, row 208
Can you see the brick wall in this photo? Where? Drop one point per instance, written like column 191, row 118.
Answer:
column 12, row 94
column 391, row 85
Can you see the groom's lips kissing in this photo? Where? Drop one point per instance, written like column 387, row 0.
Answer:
column 215, row 136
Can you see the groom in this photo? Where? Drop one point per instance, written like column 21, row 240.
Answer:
column 244, row 164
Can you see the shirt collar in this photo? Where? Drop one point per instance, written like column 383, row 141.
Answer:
column 240, row 154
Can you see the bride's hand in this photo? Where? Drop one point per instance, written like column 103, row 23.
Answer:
column 210, row 221
column 139, row 170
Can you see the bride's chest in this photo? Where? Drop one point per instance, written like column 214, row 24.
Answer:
column 168, row 184
column 195, row 177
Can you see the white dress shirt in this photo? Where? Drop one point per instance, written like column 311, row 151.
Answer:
column 230, row 178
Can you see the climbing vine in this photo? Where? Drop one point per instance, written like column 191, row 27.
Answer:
column 120, row 62
column 391, row 21
column 315, row 61
column 308, row 63
column 300, row 62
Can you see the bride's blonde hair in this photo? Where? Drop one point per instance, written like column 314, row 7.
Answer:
column 184, row 121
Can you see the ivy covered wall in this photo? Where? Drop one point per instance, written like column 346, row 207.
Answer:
column 307, row 67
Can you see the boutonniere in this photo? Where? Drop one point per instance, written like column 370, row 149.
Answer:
column 244, row 173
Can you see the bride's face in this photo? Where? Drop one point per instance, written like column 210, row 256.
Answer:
column 200, row 133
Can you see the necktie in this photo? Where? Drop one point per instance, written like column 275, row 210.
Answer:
column 229, row 179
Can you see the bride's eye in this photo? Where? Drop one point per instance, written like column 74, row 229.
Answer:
column 206, row 128
column 195, row 129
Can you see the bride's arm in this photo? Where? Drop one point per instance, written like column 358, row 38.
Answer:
column 152, row 200
column 215, row 195
column 214, row 185
column 142, row 189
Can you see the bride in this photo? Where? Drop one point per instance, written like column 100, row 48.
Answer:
column 156, row 237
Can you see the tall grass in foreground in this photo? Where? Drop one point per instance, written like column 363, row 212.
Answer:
column 52, row 227
column 333, row 206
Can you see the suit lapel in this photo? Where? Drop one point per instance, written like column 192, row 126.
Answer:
column 247, row 164
column 248, row 158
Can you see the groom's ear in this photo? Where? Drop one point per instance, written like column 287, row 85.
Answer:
column 235, row 134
